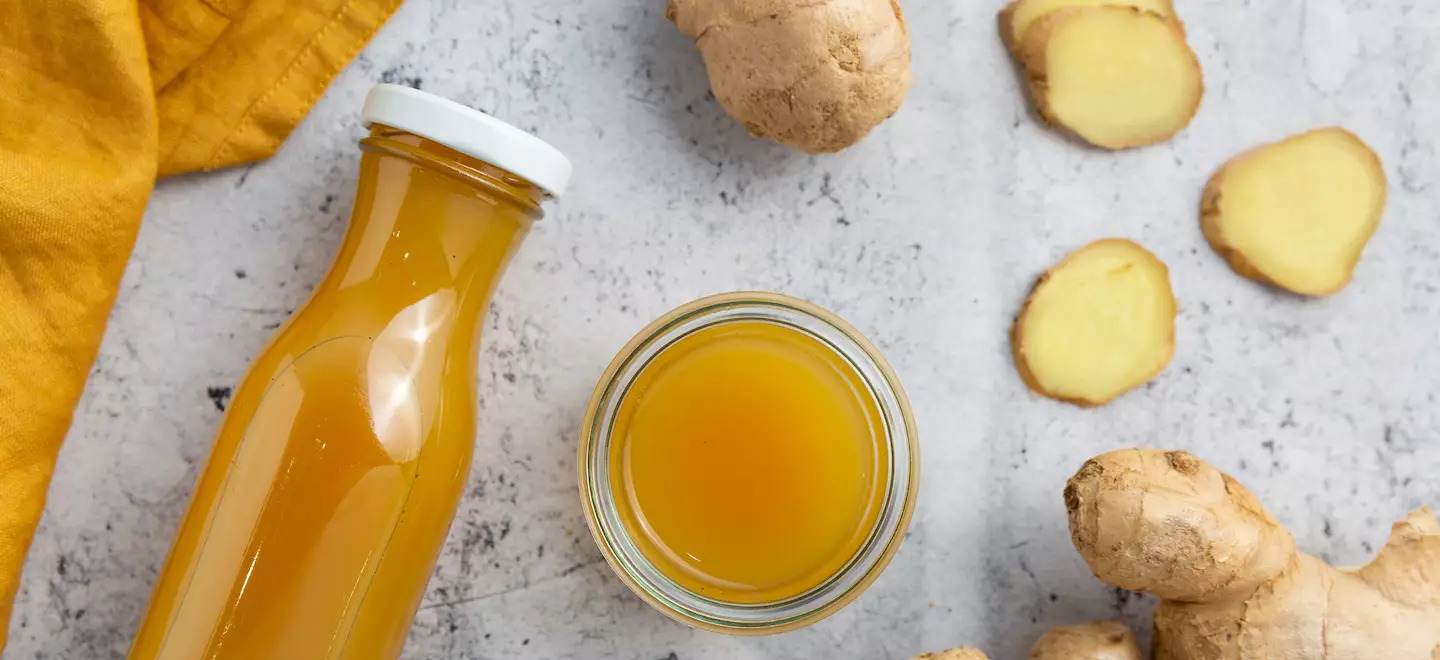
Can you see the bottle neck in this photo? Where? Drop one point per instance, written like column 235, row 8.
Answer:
column 431, row 228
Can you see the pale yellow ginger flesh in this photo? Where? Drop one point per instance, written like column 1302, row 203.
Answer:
column 1297, row 213
column 1018, row 16
column 813, row 76
column 1116, row 77
column 1229, row 578
column 1100, row 323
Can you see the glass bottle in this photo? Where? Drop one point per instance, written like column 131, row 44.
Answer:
column 338, row 467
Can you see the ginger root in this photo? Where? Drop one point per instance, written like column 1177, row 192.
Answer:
column 1229, row 578
column 962, row 653
column 1097, row 325
column 1115, row 76
column 1297, row 213
column 813, row 76
column 1099, row 640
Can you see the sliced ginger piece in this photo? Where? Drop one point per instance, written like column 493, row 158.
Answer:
column 1017, row 17
column 1117, row 77
column 1099, row 324
column 1297, row 213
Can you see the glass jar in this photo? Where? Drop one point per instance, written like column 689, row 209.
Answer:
column 340, row 462
column 626, row 543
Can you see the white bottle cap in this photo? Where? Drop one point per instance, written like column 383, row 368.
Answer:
column 469, row 132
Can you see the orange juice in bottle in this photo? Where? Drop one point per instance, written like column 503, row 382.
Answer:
column 339, row 465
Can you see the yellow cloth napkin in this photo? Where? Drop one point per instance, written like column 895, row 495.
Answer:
column 97, row 98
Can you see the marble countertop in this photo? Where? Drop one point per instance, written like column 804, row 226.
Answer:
column 926, row 236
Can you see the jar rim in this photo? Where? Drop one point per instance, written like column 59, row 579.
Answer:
column 859, row 571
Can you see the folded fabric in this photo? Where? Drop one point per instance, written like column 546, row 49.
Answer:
column 99, row 98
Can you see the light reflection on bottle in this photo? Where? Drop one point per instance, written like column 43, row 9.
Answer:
column 401, row 407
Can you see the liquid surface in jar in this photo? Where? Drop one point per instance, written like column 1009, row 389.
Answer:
column 749, row 461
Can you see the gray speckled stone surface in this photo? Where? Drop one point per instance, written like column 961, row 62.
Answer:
column 926, row 236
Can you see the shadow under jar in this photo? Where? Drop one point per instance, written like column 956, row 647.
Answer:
column 748, row 464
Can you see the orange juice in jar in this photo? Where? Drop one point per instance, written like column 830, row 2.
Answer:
column 331, row 486
column 748, row 463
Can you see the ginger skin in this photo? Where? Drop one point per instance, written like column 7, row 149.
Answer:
column 962, row 653
column 1229, row 578
column 815, row 76
column 1098, row 640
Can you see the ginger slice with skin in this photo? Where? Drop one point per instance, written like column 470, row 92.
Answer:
column 1297, row 213
column 1017, row 17
column 1100, row 323
column 1116, row 77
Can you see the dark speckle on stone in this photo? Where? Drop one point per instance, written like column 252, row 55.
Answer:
column 396, row 75
column 1328, row 531
column 243, row 176
column 526, row 642
column 670, row 656
column 240, row 274
column 219, row 395
column 325, row 205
